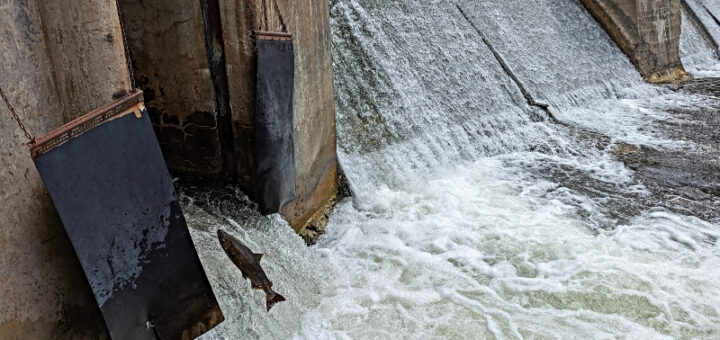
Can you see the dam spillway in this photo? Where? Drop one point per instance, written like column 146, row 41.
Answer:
column 513, row 172
column 475, row 214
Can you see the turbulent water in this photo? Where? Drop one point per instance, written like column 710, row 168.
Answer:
column 475, row 214
column 699, row 56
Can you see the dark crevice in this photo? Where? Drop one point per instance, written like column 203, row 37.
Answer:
column 528, row 97
column 712, row 15
column 214, row 46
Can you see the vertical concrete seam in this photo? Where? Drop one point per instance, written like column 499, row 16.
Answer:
column 215, row 49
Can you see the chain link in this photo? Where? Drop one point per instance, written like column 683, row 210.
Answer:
column 128, row 58
column 282, row 21
column 128, row 63
column 14, row 114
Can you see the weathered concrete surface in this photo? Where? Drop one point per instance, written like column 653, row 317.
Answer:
column 43, row 291
column 167, row 45
column 85, row 44
column 315, row 139
column 648, row 31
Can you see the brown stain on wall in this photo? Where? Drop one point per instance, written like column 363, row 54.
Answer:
column 238, row 22
column 301, row 212
column 169, row 50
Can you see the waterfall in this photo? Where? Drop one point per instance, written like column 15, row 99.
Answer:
column 477, row 212
column 699, row 54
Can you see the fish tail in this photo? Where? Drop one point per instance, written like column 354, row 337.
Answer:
column 272, row 299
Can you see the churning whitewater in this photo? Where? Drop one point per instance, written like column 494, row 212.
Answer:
column 477, row 214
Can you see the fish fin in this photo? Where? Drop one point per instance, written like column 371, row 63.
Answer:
column 258, row 257
column 255, row 285
column 272, row 299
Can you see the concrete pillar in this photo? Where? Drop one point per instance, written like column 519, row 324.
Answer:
column 314, row 117
column 59, row 60
column 648, row 31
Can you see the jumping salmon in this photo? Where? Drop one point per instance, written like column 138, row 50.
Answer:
column 249, row 264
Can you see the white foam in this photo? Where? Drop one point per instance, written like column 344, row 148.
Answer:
column 465, row 248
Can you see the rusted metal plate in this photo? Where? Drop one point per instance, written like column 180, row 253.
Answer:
column 274, row 146
column 266, row 35
column 107, row 178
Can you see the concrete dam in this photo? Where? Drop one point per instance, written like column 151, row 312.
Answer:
column 463, row 169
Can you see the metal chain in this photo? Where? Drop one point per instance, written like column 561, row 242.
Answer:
column 251, row 7
column 14, row 114
column 128, row 58
column 128, row 63
column 282, row 22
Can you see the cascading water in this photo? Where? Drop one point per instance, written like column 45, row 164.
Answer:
column 476, row 214
column 699, row 55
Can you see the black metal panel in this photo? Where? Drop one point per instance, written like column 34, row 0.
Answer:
column 275, row 150
column 117, row 201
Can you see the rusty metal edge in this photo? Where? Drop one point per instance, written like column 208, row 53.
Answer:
column 273, row 35
column 84, row 123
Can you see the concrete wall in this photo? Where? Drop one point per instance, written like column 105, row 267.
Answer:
column 60, row 59
column 84, row 41
column 315, row 133
column 167, row 44
column 648, row 31
column 195, row 60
